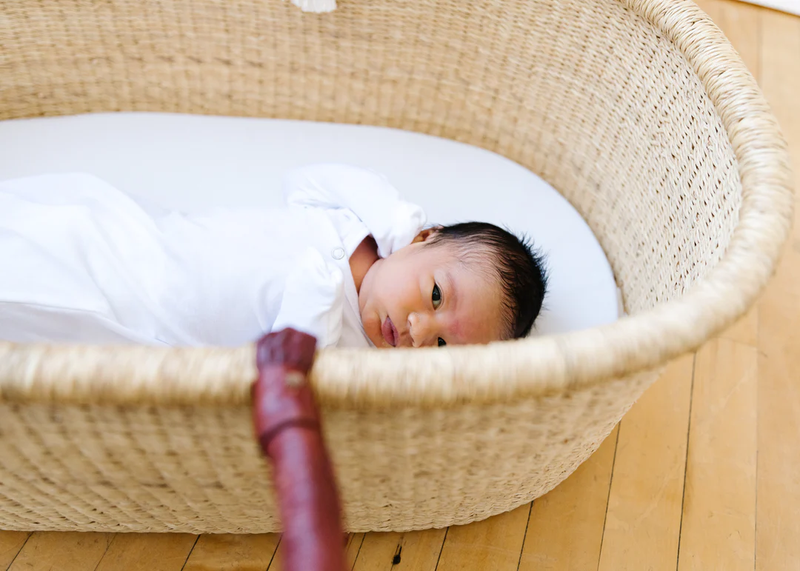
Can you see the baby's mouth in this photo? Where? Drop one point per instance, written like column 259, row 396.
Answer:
column 389, row 331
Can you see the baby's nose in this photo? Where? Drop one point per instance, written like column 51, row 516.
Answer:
column 419, row 326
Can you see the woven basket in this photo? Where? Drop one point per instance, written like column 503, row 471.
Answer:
column 638, row 111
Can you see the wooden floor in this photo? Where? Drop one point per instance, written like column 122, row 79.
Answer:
column 703, row 473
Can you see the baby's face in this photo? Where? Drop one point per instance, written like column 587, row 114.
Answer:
column 422, row 296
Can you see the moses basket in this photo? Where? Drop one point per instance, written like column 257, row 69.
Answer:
column 638, row 111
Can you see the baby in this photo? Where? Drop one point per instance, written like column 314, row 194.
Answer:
column 347, row 261
column 469, row 283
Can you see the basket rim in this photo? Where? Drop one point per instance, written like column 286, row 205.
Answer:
column 501, row 371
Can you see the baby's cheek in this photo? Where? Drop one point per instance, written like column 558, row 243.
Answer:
column 480, row 328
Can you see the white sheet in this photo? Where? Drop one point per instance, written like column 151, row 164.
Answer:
column 193, row 162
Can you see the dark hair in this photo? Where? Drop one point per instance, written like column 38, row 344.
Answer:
column 518, row 268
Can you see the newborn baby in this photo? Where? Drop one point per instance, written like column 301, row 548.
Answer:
column 469, row 283
column 347, row 261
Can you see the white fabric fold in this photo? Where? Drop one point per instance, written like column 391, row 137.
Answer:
column 84, row 262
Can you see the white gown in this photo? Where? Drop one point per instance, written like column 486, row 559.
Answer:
column 83, row 262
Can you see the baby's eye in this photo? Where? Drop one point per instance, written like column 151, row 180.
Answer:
column 436, row 297
column 441, row 342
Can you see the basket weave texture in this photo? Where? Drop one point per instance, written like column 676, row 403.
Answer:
column 638, row 111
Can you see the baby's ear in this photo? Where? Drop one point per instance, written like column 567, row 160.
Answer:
column 426, row 234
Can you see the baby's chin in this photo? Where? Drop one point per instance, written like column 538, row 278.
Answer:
column 372, row 328
column 371, row 317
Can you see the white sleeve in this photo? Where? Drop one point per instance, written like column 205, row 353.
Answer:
column 313, row 300
column 391, row 221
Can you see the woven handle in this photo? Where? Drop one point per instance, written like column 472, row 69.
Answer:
column 287, row 425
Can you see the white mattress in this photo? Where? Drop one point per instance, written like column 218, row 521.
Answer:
column 188, row 162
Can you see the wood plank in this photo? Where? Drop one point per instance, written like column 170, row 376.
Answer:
column 495, row 543
column 565, row 529
column 147, row 552
column 228, row 552
column 354, row 543
column 11, row 543
column 718, row 530
column 352, row 549
column 644, row 507
column 70, row 551
column 777, row 514
column 778, row 486
column 412, row 551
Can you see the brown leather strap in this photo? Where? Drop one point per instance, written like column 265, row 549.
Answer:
column 287, row 424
